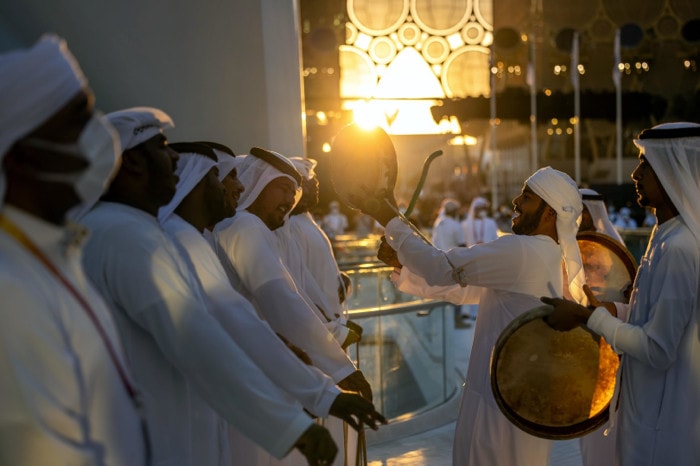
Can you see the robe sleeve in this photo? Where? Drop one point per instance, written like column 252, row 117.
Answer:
column 251, row 249
column 153, row 286
column 655, row 343
column 43, row 411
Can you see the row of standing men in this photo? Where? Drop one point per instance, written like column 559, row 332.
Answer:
column 154, row 310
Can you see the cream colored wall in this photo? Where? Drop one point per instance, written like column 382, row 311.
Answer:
column 225, row 70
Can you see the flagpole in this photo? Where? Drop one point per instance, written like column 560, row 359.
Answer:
column 577, row 108
column 531, row 81
column 494, row 161
column 617, row 78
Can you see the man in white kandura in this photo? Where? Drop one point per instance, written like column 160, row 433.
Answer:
column 248, row 248
column 658, row 412
column 506, row 276
column 67, row 395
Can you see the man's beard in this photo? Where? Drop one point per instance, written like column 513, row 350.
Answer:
column 529, row 222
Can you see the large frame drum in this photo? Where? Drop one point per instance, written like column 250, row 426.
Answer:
column 558, row 385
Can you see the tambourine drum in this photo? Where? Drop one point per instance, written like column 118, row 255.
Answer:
column 552, row 384
column 558, row 385
column 363, row 164
column 609, row 267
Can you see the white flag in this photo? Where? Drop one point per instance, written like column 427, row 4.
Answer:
column 616, row 75
column 574, row 62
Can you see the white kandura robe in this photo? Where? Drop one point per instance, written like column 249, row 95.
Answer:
column 659, row 406
column 180, row 355
column 290, row 240
column 314, row 390
column 61, row 398
column 330, row 314
column 513, row 272
column 249, row 252
column 317, row 254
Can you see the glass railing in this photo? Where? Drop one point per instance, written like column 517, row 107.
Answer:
column 406, row 351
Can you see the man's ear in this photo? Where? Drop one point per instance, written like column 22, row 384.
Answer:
column 550, row 212
column 133, row 161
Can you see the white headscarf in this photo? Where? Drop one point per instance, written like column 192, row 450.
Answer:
column 139, row 124
column 191, row 168
column 34, row 84
column 560, row 192
column 673, row 151
column 305, row 166
column 255, row 174
column 225, row 163
column 476, row 203
column 599, row 214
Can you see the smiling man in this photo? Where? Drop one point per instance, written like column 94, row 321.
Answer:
column 247, row 247
column 659, row 412
column 505, row 276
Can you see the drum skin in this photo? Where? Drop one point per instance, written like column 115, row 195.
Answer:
column 552, row 384
column 363, row 165
column 558, row 385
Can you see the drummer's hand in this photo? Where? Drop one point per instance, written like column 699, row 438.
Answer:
column 317, row 445
column 356, row 382
column 387, row 254
column 356, row 410
column 566, row 314
column 594, row 303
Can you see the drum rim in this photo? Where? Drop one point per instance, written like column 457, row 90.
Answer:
column 548, row 432
column 619, row 249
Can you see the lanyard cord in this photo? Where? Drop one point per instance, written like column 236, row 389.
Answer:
column 22, row 238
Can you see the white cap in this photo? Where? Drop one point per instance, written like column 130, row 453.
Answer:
column 139, row 124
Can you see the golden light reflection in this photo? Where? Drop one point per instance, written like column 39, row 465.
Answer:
column 400, row 116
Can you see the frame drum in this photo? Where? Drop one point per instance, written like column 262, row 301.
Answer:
column 558, row 385
column 363, row 165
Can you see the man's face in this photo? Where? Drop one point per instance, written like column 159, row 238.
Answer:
column 232, row 190
column 64, row 127
column 161, row 161
column 214, row 198
column 650, row 193
column 586, row 220
column 528, row 208
column 274, row 202
column 310, row 192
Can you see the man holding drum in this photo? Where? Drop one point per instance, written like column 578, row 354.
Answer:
column 658, row 411
column 505, row 277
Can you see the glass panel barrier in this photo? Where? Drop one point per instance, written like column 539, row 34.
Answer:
column 406, row 349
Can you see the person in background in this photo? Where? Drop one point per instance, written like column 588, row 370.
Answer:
column 624, row 219
column 658, row 411
column 595, row 215
column 334, row 222
column 447, row 231
column 195, row 379
column 67, row 395
column 479, row 227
